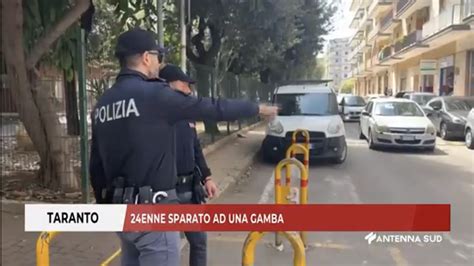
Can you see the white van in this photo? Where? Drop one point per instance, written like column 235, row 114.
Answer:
column 309, row 106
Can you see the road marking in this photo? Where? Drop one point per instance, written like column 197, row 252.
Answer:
column 458, row 242
column 459, row 254
column 398, row 257
column 267, row 190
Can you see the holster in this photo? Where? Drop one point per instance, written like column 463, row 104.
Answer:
column 199, row 193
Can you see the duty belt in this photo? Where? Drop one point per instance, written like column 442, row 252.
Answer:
column 185, row 179
column 142, row 195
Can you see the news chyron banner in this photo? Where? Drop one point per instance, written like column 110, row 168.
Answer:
column 237, row 217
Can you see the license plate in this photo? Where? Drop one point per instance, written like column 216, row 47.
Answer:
column 408, row 137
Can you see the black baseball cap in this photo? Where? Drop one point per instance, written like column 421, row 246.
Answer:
column 172, row 73
column 137, row 41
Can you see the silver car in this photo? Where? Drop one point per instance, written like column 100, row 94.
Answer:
column 469, row 130
column 396, row 122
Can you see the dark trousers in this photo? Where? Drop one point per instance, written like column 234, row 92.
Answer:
column 197, row 240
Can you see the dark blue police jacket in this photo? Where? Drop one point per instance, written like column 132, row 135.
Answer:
column 133, row 130
column 188, row 150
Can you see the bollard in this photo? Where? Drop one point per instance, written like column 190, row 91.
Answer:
column 111, row 258
column 42, row 248
column 293, row 149
column 281, row 195
column 248, row 251
column 305, row 134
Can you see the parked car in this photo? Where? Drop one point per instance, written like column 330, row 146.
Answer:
column 306, row 106
column 469, row 131
column 421, row 98
column 396, row 122
column 350, row 107
column 371, row 97
column 449, row 114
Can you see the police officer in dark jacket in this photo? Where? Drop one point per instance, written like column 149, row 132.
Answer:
column 191, row 165
column 133, row 153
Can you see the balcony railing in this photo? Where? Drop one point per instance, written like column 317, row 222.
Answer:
column 447, row 17
column 386, row 20
column 385, row 53
column 408, row 40
column 373, row 4
column 403, row 3
column 468, row 8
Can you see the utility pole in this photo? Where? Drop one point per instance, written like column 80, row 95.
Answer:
column 182, row 26
column 81, row 70
column 159, row 8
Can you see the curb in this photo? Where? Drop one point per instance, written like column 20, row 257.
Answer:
column 225, row 140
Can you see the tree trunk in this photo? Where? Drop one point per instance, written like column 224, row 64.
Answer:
column 72, row 116
column 204, row 84
column 35, row 106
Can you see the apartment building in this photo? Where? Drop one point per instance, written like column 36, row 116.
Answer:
column 413, row 45
column 338, row 61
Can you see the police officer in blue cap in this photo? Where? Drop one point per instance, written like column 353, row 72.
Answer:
column 133, row 154
column 192, row 168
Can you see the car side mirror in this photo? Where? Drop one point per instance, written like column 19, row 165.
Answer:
column 436, row 108
column 365, row 113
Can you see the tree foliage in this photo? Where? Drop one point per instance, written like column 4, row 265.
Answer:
column 347, row 86
column 277, row 39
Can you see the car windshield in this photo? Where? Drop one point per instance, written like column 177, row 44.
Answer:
column 422, row 99
column 459, row 104
column 354, row 101
column 307, row 104
column 397, row 109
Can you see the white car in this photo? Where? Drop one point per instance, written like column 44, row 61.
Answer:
column 309, row 106
column 469, row 131
column 397, row 122
column 350, row 107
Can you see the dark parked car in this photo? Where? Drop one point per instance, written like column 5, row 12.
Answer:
column 420, row 98
column 449, row 114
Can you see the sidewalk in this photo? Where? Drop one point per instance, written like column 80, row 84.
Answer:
column 229, row 160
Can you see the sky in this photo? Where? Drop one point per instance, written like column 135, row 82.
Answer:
column 341, row 21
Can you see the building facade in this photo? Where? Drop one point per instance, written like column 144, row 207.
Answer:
column 338, row 61
column 413, row 45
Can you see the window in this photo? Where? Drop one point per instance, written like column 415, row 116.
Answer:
column 337, row 60
column 345, row 75
column 346, row 53
column 307, row 104
column 398, row 109
column 368, row 108
column 337, row 53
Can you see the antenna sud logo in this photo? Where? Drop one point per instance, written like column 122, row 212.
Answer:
column 400, row 238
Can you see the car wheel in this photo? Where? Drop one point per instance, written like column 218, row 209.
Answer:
column 370, row 139
column 431, row 149
column 361, row 136
column 343, row 156
column 469, row 139
column 444, row 131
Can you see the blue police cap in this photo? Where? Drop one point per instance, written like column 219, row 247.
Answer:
column 172, row 73
column 137, row 41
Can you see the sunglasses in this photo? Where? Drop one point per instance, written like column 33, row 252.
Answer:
column 158, row 54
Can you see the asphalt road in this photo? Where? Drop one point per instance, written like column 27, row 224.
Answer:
column 387, row 176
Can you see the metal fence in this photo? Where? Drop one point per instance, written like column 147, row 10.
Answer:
column 17, row 151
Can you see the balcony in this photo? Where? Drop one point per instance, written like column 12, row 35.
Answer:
column 409, row 40
column 468, row 10
column 406, row 7
column 377, row 6
column 445, row 19
column 385, row 53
